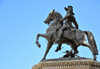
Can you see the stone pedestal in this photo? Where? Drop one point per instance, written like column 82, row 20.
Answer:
column 68, row 64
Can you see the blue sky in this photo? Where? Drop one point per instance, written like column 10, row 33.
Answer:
column 22, row 20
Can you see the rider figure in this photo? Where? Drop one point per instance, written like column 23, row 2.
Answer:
column 69, row 19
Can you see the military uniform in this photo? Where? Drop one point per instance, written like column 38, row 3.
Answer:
column 69, row 19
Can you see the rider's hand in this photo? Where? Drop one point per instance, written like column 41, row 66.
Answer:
column 65, row 8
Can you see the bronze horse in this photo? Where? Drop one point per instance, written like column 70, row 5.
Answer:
column 55, row 24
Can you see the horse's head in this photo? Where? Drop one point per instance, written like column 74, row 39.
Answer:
column 50, row 17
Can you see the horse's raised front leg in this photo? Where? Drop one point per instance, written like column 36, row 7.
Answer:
column 49, row 45
column 38, row 35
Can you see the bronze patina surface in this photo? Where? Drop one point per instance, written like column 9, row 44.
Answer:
column 66, row 31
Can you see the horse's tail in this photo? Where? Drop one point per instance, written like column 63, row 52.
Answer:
column 92, row 42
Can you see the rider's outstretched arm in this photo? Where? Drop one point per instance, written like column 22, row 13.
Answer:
column 65, row 18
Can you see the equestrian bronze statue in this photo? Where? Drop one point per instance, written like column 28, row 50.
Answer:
column 60, row 32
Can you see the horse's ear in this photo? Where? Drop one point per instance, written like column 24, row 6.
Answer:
column 53, row 10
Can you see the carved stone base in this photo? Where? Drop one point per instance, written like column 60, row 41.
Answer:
column 68, row 64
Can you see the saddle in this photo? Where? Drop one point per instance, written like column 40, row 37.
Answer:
column 71, row 34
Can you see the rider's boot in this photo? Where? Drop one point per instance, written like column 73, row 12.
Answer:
column 57, row 40
column 59, row 37
column 58, row 48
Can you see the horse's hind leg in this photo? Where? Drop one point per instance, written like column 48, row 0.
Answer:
column 49, row 45
column 84, row 43
column 38, row 35
column 74, row 47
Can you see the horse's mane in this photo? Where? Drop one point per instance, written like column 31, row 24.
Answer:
column 57, row 15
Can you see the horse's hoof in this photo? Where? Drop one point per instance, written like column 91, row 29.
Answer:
column 56, row 50
column 94, row 58
column 76, row 52
column 37, row 43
